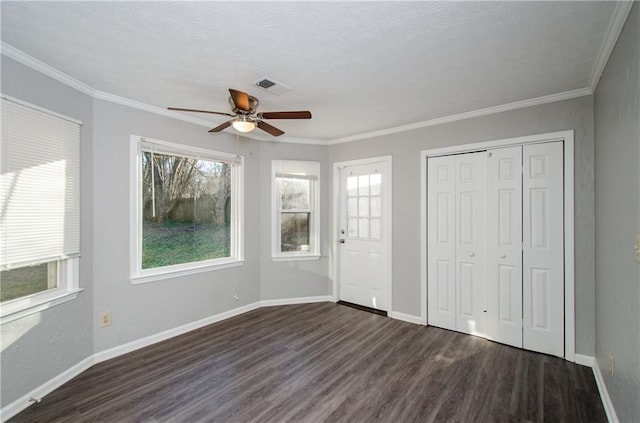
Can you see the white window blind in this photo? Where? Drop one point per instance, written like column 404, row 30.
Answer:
column 40, row 186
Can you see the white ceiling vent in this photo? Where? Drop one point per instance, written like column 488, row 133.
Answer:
column 271, row 86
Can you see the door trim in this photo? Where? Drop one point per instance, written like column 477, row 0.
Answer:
column 388, row 226
column 567, row 137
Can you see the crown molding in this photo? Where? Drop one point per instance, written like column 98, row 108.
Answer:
column 101, row 95
column 616, row 24
column 35, row 64
column 613, row 32
column 467, row 115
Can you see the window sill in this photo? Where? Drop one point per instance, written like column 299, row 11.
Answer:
column 35, row 304
column 176, row 273
column 296, row 258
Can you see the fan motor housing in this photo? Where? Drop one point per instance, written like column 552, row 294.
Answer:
column 253, row 106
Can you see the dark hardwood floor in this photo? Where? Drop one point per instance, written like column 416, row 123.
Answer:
column 324, row 362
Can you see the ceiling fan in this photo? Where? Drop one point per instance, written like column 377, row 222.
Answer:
column 245, row 117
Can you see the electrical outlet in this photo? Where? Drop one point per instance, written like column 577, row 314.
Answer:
column 236, row 297
column 637, row 248
column 105, row 319
column 612, row 366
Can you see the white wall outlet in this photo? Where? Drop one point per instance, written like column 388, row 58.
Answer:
column 637, row 248
column 236, row 297
column 105, row 319
column 612, row 366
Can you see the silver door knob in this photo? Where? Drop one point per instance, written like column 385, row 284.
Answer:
column 472, row 254
column 503, row 256
column 341, row 241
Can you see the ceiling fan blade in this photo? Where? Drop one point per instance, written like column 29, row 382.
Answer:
column 286, row 115
column 221, row 127
column 269, row 128
column 240, row 99
column 199, row 111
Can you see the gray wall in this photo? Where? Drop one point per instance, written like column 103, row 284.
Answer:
column 69, row 333
column 617, row 123
column 43, row 345
column 576, row 114
column 145, row 309
column 291, row 279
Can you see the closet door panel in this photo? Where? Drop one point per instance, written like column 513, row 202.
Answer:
column 470, row 243
column 504, row 245
column 543, row 248
column 441, row 242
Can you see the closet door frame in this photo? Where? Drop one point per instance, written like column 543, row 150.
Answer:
column 567, row 137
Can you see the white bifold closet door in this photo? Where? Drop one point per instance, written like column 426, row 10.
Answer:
column 495, row 263
column 504, row 245
column 543, row 247
column 456, row 230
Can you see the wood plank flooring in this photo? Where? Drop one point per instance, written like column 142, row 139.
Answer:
column 324, row 363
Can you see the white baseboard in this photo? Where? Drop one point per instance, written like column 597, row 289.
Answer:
column 604, row 394
column 299, row 300
column 584, row 360
column 52, row 384
column 406, row 317
column 170, row 333
column 25, row 401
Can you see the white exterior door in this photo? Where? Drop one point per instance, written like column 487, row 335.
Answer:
column 504, row 245
column 543, row 248
column 456, row 204
column 364, row 235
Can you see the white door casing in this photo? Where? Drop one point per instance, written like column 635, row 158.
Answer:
column 543, row 248
column 364, row 234
column 504, row 245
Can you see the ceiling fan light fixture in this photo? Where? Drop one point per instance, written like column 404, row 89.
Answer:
column 243, row 125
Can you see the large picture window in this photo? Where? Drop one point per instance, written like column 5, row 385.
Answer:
column 40, row 224
column 295, row 218
column 188, row 208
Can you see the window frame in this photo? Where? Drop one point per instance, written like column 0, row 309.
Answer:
column 67, row 290
column 236, row 250
column 314, row 213
column 68, row 266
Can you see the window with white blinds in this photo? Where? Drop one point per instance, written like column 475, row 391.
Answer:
column 40, row 187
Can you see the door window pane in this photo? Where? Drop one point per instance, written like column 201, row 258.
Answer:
column 352, row 207
column 363, row 206
column 375, row 183
column 294, row 235
column 363, row 185
column 363, row 228
column 352, row 186
column 376, row 206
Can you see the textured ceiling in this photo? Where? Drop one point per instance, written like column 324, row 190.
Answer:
column 358, row 66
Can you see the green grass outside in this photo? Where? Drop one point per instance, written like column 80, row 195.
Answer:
column 24, row 281
column 167, row 243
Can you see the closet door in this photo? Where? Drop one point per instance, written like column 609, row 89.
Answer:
column 543, row 248
column 470, row 245
column 441, row 241
column 504, row 245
